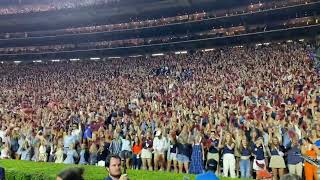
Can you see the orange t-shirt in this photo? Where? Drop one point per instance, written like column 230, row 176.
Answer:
column 312, row 154
column 136, row 149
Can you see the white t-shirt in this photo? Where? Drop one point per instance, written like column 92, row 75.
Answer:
column 126, row 145
column 2, row 135
column 159, row 145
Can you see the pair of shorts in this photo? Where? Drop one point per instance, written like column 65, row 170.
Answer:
column 214, row 156
column 256, row 162
column 172, row 156
column 277, row 162
column 146, row 154
column 125, row 154
column 182, row 158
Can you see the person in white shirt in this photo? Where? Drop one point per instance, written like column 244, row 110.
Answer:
column 126, row 149
column 2, row 133
column 5, row 152
column 43, row 152
column 159, row 146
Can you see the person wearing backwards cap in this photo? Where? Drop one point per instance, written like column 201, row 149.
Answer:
column 159, row 145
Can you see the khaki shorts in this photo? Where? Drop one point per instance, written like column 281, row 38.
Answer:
column 214, row 156
column 146, row 154
column 277, row 162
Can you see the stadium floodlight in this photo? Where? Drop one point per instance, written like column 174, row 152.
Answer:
column 289, row 41
column 55, row 60
column 37, row 61
column 114, row 57
column 206, row 50
column 75, row 59
column 2, row 62
column 95, row 58
column 301, row 40
column 17, row 62
column 157, row 54
column 181, row 52
column 259, row 44
column 136, row 56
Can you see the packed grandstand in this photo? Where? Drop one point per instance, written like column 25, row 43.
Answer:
column 195, row 86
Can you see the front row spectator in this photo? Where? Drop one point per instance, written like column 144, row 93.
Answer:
column 113, row 166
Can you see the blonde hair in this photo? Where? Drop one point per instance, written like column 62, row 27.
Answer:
column 93, row 148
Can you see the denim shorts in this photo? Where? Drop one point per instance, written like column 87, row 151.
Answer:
column 182, row 158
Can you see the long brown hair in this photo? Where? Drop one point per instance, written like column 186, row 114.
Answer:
column 241, row 147
column 224, row 141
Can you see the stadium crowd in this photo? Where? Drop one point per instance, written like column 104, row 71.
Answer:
column 218, row 32
column 134, row 22
column 241, row 109
column 54, row 5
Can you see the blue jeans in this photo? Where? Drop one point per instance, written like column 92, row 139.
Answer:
column 136, row 162
column 245, row 168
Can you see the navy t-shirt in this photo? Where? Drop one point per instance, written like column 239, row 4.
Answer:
column 258, row 151
column 214, row 144
column 293, row 155
column 183, row 149
column 227, row 150
column 245, row 152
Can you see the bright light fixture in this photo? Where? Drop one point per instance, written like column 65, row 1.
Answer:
column 115, row 57
column 75, row 59
column 157, row 54
column 206, row 50
column 181, row 52
column 135, row 56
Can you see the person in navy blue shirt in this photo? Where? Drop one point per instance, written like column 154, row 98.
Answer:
column 245, row 152
column 294, row 160
column 113, row 166
column 258, row 151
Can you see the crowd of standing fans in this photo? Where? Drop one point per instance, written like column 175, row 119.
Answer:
column 52, row 5
column 134, row 22
column 244, row 108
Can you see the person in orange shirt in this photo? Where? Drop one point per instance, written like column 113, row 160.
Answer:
column 136, row 150
column 310, row 150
